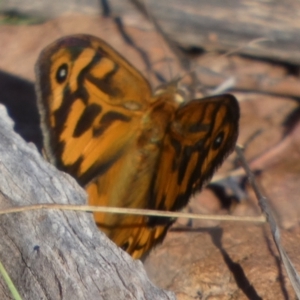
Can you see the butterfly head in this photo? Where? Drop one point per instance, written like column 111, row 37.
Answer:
column 176, row 92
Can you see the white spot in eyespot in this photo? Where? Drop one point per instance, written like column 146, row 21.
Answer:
column 218, row 140
column 63, row 73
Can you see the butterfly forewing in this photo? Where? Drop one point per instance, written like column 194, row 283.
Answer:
column 86, row 91
column 126, row 147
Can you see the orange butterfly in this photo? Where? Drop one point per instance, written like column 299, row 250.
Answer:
column 127, row 147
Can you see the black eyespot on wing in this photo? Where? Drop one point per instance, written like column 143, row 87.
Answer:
column 218, row 140
column 62, row 73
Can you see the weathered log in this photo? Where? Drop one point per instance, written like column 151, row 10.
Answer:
column 226, row 25
column 51, row 254
column 212, row 25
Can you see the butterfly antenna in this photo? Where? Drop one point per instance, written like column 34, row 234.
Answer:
column 251, row 43
column 231, row 82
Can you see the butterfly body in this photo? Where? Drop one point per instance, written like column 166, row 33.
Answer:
column 127, row 147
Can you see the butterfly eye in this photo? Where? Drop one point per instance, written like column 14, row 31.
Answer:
column 218, row 140
column 62, row 73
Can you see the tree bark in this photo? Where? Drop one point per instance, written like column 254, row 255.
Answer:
column 51, row 254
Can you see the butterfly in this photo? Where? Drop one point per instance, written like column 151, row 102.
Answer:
column 126, row 146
